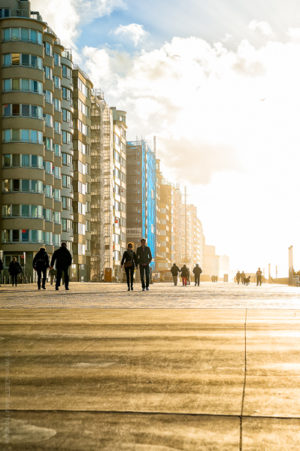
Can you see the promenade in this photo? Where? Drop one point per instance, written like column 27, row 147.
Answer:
column 97, row 367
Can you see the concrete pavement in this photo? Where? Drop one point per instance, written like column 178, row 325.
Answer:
column 176, row 368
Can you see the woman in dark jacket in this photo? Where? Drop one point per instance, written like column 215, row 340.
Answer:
column 129, row 262
column 14, row 269
column 40, row 265
column 184, row 275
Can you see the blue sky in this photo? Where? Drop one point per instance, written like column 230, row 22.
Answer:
column 211, row 20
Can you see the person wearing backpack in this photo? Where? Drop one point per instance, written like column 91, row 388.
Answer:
column 197, row 271
column 175, row 271
column 40, row 265
column 129, row 262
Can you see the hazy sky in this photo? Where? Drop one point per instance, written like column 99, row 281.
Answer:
column 218, row 83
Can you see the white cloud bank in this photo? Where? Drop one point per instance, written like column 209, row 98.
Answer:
column 134, row 32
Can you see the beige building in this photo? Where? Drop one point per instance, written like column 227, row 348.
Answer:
column 31, row 133
column 82, row 87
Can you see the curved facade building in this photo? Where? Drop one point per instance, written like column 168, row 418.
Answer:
column 31, row 134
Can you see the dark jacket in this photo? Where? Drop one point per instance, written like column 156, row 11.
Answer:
column 129, row 256
column 175, row 270
column 197, row 271
column 14, row 268
column 62, row 258
column 41, row 260
column 1, row 265
column 184, row 272
column 143, row 255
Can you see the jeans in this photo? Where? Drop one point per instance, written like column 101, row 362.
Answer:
column 60, row 271
column 14, row 279
column 39, row 273
column 145, row 270
column 129, row 276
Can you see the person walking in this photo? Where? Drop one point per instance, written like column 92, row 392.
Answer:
column 14, row 269
column 62, row 260
column 258, row 277
column 144, row 258
column 40, row 265
column 197, row 271
column 129, row 262
column 184, row 275
column 175, row 271
column 243, row 276
column 238, row 277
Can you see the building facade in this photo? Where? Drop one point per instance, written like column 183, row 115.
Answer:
column 141, row 195
column 31, row 133
column 82, row 87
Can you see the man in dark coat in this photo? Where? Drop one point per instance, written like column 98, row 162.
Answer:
column 197, row 271
column 62, row 260
column 40, row 265
column 14, row 269
column 175, row 271
column 144, row 257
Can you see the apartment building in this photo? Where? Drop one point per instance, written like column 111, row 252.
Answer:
column 31, row 133
column 81, row 247
column 141, row 194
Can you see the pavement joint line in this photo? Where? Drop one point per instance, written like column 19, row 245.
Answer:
column 132, row 412
column 245, row 379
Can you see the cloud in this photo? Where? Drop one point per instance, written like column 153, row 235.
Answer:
column 68, row 16
column 261, row 27
column 134, row 32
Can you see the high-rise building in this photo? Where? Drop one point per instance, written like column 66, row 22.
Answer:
column 141, row 194
column 119, row 189
column 81, row 180
column 31, row 133
column 67, row 148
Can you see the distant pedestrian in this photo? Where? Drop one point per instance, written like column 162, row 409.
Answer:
column 1, row 268
column 175, row 271
column 14, row 269
column 129, row 261
column 258, row 277
column 62, row 259
column 52, row 274
column 40, row 265
column 197, row 271
column 238, row 277
column 144, row 258
column 243, row 276
column 184, row 275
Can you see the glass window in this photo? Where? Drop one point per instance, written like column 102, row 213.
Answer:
column 15, row 59
column 34, row 61
column 33, row 36
column 48, row 48
column 34, row 211
column 15, row 210
column 34, row 161
column 7, row 110
column 15, row 34
column 25, row 83
column 57, row 150
column 15, row 235
column 6, row 34
column 57, row 104
column 7, row 60
column 6, row 160
column 25, row 235
column 34, row 186
column 49, row 143
column 56, row 59
column 25, row 161
column 16, row 185
column 16, row 160
column 15, row 135
column 7, row 85
column 25, row 186
column 16, row 109
column 25, row 135
column 35, row 111
column 25, row 59
column 25, row 110
column 25, row 34
column 57, row 82
column 34, row 236
column 25, row 211
column 16, row 84
column 34, row 136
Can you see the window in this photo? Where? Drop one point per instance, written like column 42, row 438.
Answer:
column 22, row 84
column 57, row 172
column 25, row 235
column 25, row 211
column 57, row 82
column 22, row 34
column 23, row 135
column 57, row 104
column 66, row 137
column 57, row 194
column 66, row 181
column 48, row 142
column 4, row 12
column 67, row 116
column 66, row 93
column 83, row 88
column 23, row 59
column 56, row 217
column 15, row 235
column 48, row 72
column 57, row 127
column 48, row 96
column 48, row 48
column 57, row 150
column 66, row 71
column 66, row 159
column 48, row 120
column 48, row 168
column 48, row 190
column 66, row 203
column 56, row 59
